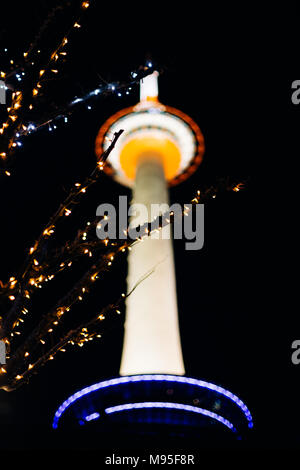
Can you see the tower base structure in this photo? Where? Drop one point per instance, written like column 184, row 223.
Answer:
column 157, row 404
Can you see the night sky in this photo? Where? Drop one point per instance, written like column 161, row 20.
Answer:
column 237, row 318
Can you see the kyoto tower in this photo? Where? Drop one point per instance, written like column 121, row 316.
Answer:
column 160, row 147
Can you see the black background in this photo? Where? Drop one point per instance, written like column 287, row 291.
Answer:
column 231, row 71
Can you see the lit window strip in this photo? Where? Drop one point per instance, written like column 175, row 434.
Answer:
column 156, row 377
column 174, row 406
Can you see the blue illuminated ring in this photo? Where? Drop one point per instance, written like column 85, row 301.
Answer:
column 152, row 377
column 173, row 406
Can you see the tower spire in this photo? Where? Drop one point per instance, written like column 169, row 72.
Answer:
column 149, row 87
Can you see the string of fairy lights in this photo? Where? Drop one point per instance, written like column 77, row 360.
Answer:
column 14, row 119
column 19, row 123
column 34, row 273
column 42, row 345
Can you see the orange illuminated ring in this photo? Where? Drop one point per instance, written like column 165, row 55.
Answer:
column 137, row 140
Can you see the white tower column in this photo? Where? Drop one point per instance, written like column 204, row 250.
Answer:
column 152, row 338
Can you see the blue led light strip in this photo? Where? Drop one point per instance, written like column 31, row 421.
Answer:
column 152, row 377
column 174, row 406
column 92, row 417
